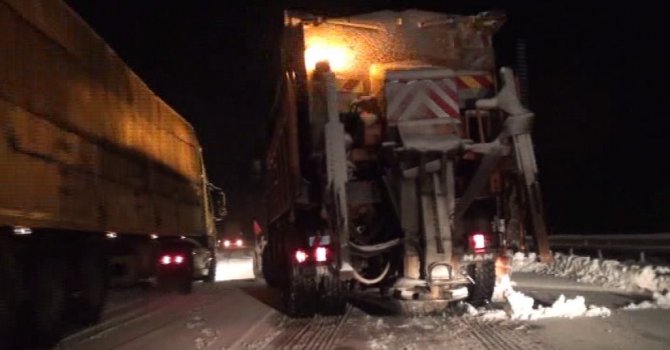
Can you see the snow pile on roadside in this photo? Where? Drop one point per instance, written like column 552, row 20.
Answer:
column 660, row 301
column 610, row 273
column 519, row 306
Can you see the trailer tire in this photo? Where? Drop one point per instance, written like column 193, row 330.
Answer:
column 484, row 275
column 92, row 272
column 48, row 300
column 299, row 295
column 332, row 299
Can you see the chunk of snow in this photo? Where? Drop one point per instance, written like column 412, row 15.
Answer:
column 522, row 307
column 503, row 287
column 660, row 301
column 519, row 306
column 494, row 315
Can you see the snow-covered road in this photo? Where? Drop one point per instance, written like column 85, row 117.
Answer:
column 242, row 314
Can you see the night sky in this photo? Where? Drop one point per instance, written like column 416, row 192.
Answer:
column 596, row 86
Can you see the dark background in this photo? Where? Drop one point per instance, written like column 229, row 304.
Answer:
column 597, row 86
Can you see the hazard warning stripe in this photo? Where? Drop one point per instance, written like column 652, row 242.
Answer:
column 419, row 99
column 481, row 81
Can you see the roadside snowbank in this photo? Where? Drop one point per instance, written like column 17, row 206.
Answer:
column 609, row 273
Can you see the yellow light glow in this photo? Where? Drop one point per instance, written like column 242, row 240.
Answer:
column 338, row 56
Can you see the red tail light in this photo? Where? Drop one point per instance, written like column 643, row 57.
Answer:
column 478, row 242
column 172, row 259
column 321, row 254
column 300, row 256
column 166, row 260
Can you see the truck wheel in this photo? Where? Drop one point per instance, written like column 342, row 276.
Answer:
column 299, row 295
column 332, row 299
column 266, row 270
column 258, row 271
column 9, row 293
column 484, row 275
column 48, row 300
column 92, row 272
column 211, row 271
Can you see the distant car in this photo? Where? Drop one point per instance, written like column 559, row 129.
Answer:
column 232, row 243
column 203, row 259
column 235, row 246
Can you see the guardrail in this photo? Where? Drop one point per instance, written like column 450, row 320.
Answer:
column 638, row 244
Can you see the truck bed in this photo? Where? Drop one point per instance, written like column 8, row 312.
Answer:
column 84, row 143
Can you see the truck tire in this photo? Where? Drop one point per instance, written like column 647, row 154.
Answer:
column 267, row 271
column 211, row 271
column 48, row 300
column 258, row 270
column 484, row 275
column 299, row 295
column 9, row 293
column 92, row 274
column 332, row 299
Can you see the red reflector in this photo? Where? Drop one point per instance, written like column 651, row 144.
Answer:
column 478, row 242
column 166, row 260
column 178, row 259
column 321, row 254
column 300, row 256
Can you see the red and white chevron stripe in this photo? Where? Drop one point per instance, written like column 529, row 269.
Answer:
column 421, row 99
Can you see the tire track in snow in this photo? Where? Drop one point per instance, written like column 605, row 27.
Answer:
column 116, row 318
column 143, row 318
column 319, row 332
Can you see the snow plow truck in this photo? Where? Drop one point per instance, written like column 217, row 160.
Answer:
column 400, row 160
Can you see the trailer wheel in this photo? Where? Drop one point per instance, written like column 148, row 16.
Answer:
column 48, row 300
column 332, row 299
column 299, row 295
column 484, row 275
column 92, row 272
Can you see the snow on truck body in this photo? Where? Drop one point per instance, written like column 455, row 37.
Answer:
column 93, row 165
column 379, row 147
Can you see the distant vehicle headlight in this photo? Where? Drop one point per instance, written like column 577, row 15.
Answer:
column 239, row 243
column 226, row 243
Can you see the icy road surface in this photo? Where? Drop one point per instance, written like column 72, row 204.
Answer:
column 242, row 314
